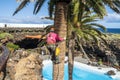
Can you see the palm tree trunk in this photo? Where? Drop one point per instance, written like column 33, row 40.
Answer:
column 60, row 28
column 70, row 58
column 84, row 53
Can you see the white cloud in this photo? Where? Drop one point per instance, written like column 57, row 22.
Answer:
column 111, row 21
column 28, row 20
column 112, row 18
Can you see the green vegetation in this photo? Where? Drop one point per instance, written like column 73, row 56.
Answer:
column 6, row 35
column 113, row 36
column 7, row 39
column 12, row 46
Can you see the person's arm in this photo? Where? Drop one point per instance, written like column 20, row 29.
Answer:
column 34, row 36
column 59, row 38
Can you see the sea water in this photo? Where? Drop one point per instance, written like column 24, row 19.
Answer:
column 78, row 73
column 111, row 30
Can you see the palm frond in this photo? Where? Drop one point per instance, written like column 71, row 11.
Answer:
column 95, row 38
column 88, row 20
column 76, row 11
column 88, row 17
column 117, row 3
column 113, row 4
column 38, row 5
column 98, row 31
column 97, row 6
column 104, row 40
column 99, row 26
column 21, row 6
column 51, row 5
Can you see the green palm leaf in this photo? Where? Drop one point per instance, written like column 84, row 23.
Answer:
column 99, row 26
column 97, row 6
column 21, row 6
column 38, row 5
column 113, row 4
column 51, row 6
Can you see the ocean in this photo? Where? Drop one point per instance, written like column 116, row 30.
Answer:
column 113, row 30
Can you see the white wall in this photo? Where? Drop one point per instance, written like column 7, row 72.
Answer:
column 10, row 25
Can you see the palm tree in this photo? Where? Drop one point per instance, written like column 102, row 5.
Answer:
column 60, row 7
column 84, row 31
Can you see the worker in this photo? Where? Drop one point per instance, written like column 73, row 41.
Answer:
column 51, row 38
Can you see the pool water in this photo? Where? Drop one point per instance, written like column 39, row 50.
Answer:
column 78, row 73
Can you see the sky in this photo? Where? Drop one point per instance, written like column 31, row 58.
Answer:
column 25, row 16
column 7, row 8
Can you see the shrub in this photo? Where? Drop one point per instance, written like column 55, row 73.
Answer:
column 12, row 46
column 4, row 35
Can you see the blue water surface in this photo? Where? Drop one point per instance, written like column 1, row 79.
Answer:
column 112, row 30
column 78, row 74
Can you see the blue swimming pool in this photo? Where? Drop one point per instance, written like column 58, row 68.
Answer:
column 78, row 74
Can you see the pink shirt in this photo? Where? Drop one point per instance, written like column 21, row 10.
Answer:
column 53, row 38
